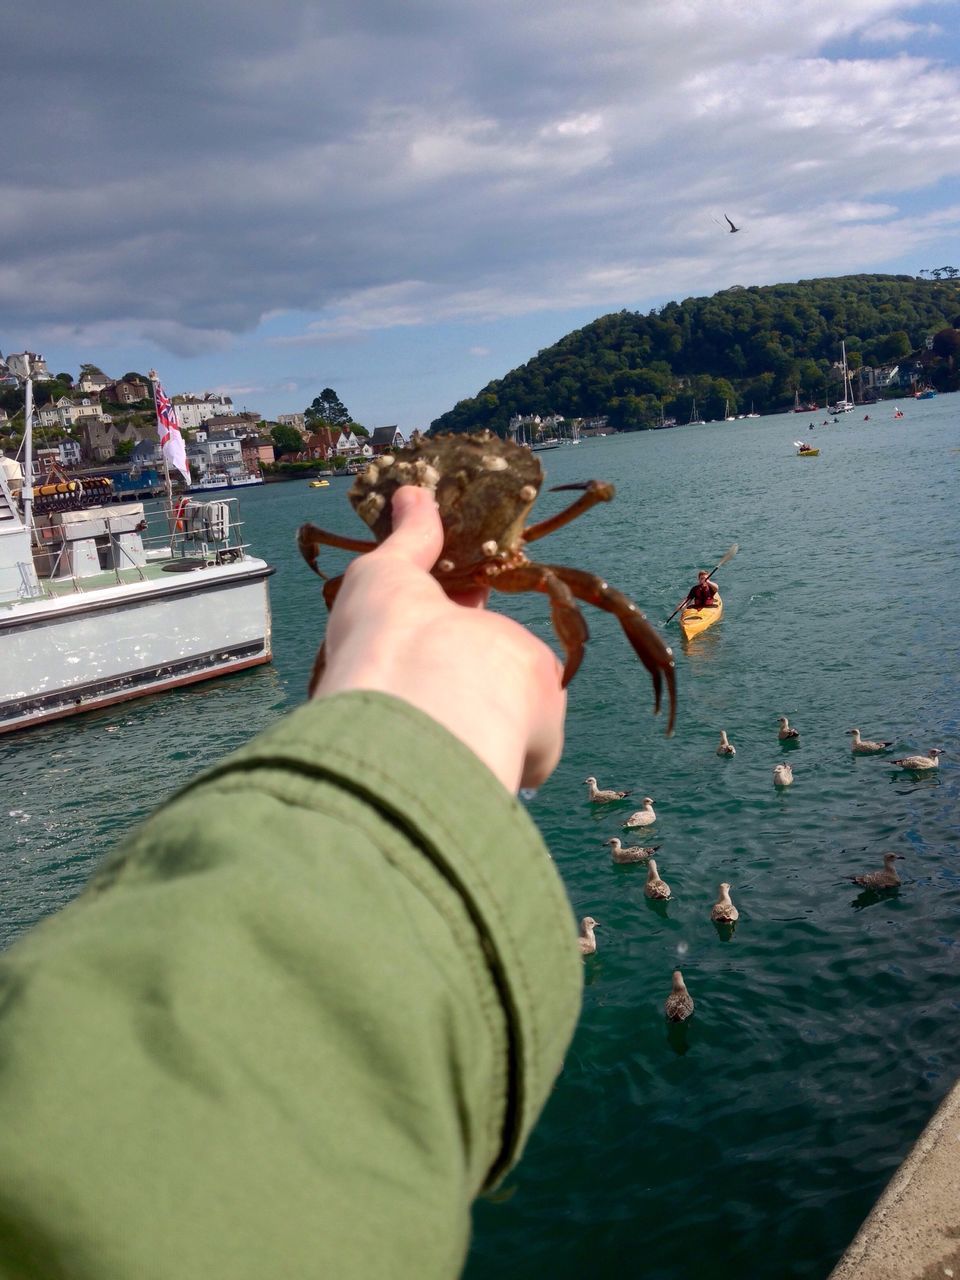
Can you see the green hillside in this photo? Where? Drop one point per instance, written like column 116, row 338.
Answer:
column 747, row 347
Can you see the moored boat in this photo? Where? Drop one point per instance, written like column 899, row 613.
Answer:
column 693, row 621
column 100, row 602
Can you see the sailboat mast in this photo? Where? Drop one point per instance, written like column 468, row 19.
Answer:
column 26, row 494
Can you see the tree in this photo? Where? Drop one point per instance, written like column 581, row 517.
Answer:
column 123, row 450
column 328, row 407
column 286, row 439
column 91, row 368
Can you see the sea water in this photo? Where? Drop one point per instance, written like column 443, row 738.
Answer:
column 751, row 1142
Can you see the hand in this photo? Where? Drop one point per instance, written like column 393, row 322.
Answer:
column 482, row 676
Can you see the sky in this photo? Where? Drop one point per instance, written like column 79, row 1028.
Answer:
column 404, row 201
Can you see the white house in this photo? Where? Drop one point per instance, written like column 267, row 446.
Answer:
column 95, row 382
column 194, row 410
column 67, row 412
column 348, row 446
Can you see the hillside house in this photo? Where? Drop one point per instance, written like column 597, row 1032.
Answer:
column 69, row 411
column 93, row 382
column 193, row 411
column 386, row 439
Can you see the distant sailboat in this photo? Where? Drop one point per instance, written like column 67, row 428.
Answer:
column 727, row 415
column 845, row 404
column 695, row 419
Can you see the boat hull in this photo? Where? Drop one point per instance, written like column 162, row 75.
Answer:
column 694, row 621
column 808, row 453
column 81, row 652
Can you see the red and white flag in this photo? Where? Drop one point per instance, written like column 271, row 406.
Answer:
column 168, row 429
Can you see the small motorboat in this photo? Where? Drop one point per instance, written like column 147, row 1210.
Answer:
column 319, row 484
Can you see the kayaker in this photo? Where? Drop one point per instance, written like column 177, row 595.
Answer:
column 703, row 595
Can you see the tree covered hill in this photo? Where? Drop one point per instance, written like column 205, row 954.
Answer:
column 744, row 346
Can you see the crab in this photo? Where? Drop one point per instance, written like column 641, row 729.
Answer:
column 485, row 487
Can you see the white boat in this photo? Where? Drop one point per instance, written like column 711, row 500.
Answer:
column 727, row 415
column 103, row 602
column 210, row 482
column 845, row 404
column 752, row 413
column 245, row 479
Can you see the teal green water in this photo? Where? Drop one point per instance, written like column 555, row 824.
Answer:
column 826, row 1029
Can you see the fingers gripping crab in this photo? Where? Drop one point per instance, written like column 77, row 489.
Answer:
column 485, row 488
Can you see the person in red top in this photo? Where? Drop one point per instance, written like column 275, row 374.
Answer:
column 703, row 595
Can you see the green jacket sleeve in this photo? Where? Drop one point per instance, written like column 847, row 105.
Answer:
column 305, row 1014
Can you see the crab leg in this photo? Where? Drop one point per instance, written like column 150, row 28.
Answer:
column 596, row 491
column 310, row 539
column 331, row 587
column 568, row 621
column 647, row 644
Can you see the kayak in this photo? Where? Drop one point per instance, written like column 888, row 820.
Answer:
column 693, row 621
column 808, row 453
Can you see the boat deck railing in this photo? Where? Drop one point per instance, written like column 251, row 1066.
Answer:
column 171, row 536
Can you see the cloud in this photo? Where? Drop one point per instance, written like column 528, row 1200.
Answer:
column 468, row 162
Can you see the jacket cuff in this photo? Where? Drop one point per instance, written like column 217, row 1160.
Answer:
column 481, row 840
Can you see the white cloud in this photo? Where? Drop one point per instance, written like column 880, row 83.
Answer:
column 472, row 162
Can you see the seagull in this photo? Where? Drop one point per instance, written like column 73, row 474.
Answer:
column 644, row 817
column 588, row 943
column 885, row 879
column 930, row 761
column 724, row 912
column 636, row 853
column 863, row 747
column 679, row 1005
column 726, row 747
column 786, row 734
column 782, row 775
column 729, row 223
column 599, row 796
column 655, row 888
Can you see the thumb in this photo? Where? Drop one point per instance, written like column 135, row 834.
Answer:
column 417, row 530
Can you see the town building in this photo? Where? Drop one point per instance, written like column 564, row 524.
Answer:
column 193, row 411
column 69, row 411
column 385, row 439
column 27, row 364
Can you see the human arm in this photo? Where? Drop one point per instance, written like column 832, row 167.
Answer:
column 309, row 1010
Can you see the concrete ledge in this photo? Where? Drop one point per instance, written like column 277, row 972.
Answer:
column 913, row 1231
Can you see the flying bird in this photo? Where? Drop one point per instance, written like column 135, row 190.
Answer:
column 730, row 224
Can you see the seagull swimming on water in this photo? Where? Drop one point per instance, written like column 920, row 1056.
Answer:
column 782, row 775
column 885, row 879
column 785, row 733
column 597, row 795
column 634, row 853
column 679, row 1005
column 587, row 942
column 644, row 817
column 726, row 747
column 655, row 888
column 930, row 761
column 863, row 746
column 724, row 912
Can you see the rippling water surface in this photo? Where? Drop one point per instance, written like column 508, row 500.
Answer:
column 752, row 1142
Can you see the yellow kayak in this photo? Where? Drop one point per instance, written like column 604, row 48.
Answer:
column 693, row 621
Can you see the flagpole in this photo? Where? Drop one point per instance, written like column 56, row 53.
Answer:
column 154, row 379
